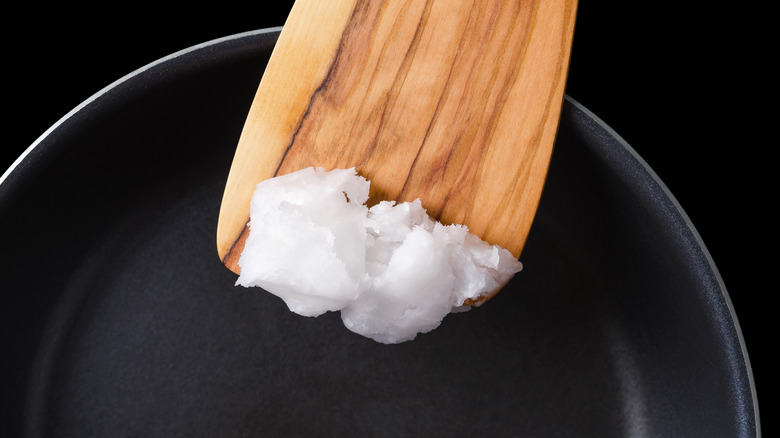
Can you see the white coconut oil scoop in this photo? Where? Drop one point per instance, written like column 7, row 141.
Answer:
column 454, row 103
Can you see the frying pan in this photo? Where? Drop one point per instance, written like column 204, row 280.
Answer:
column 619, row 325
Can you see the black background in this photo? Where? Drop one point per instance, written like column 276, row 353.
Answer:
column 687, row 87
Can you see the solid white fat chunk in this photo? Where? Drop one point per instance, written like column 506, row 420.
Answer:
column 392, row 271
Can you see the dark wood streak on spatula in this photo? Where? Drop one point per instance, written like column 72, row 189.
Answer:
column 453, row 102
column 295, row 155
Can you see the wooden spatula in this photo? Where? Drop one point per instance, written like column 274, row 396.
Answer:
column 453, row 102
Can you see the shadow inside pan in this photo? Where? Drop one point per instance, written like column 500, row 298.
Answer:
column 123, row 322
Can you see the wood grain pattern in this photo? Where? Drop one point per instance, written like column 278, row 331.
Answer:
column 453, row 102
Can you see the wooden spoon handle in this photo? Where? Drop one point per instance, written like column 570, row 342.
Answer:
column 453, row 102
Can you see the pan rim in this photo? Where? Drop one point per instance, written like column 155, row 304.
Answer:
column 6, row 175
column 16, row 172
column 699, row 241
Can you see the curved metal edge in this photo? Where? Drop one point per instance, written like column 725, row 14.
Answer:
column 34, row 406
column 699, row 241
column 727, row 300
column 122, row 80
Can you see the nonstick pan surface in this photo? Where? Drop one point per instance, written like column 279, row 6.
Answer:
column 619, row 325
